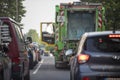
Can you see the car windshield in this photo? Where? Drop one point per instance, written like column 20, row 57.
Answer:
column 103, row 44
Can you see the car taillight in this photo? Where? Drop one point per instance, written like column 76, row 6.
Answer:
column 82, row 58
column 86, row 78
column 114, row 36
column 16, row 64
column 16, row 60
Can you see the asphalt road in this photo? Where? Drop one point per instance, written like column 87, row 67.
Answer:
column 45, row 70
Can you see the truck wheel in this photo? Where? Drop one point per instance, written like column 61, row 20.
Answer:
column 57, row 65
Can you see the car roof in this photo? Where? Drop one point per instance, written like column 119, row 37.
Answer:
column 90, row 34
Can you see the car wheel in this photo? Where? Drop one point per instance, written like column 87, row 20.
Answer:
column 31, row 64
column 7, row 72
column 1, row 76
column 76, row 74
column 31, row 61
column 27, row 77
column 71, row 76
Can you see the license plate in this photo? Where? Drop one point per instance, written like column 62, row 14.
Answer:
column 112, row 79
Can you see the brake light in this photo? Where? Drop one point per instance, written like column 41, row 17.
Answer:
column 82, row 58
column 16, row 60
column 16, row 64
column 114, row 36
column 86, row 78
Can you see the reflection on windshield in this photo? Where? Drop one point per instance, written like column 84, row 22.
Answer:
column 103, row 44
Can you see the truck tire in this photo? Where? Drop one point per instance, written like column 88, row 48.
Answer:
column 57, row 65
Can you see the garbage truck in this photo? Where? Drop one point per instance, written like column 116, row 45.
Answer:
column 71, row 21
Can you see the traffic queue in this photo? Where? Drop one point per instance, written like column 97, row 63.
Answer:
column 17, row 55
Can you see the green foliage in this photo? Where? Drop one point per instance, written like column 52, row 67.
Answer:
column 33, row 33
column 13, row 9
column 112, row 12
column 49, row 48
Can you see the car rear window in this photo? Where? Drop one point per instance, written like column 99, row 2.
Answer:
column 103, row 44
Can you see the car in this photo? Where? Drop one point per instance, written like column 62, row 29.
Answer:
column 36, row 47
column 12, row 36
column 97, row 57
column 34, row 55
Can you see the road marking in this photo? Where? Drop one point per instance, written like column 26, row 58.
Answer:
column 36, row 70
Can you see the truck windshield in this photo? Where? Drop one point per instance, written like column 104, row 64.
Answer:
column 80, row 22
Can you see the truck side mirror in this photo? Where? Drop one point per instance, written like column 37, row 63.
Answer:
column 69, row 52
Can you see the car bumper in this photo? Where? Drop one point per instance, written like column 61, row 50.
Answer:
column 98, row 75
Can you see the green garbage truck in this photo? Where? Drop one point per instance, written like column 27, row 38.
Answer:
column 71, row 21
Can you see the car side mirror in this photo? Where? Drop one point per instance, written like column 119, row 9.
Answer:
column 29, row 39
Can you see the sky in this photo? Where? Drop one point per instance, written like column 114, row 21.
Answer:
column 39, row 11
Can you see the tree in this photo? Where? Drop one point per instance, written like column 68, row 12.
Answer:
column 33, row 33
column 112, row 12
column 13, row 9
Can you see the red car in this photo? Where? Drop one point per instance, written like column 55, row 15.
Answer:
column 17, row 49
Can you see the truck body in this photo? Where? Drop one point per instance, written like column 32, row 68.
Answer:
column 72, row 20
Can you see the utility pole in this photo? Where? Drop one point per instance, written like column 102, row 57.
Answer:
column 16, row 10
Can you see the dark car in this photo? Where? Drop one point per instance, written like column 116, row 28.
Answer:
column 34, row 54
column 97, row 57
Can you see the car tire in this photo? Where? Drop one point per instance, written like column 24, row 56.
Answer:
column 31, row 63
column 70, row 75
column 76, row 74
column 6, row 72
column 27, row 77
column 1, row 76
